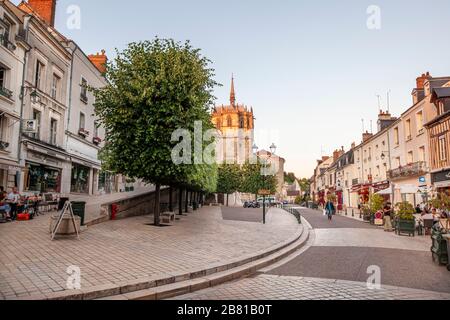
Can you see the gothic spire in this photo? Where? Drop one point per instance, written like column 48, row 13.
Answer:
column 232, row 93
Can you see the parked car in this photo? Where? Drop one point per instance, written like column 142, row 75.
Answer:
column 251, row 204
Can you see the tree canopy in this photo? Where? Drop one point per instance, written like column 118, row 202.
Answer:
column 154, row 88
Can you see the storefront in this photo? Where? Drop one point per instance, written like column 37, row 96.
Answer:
column 41, row 178
column 80, row 179
column 441, row 181
column 107, row 182
column 384, row 189
column 9, row 176
column 363, row 192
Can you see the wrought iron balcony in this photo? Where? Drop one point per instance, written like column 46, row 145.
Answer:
column 410, row 170
column 4, row 41
column 6, row 92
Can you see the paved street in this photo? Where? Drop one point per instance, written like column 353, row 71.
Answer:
column 126, row 251
column 336, row 263
column 242, row 214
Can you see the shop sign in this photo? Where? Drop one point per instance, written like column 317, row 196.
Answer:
column 441, row 176
column 422, row 180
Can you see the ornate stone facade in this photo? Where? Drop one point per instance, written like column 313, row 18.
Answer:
column 235, row 123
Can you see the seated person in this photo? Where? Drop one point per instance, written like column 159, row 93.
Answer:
column 4, row 206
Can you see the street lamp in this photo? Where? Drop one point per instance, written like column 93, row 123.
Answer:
column 266, row 173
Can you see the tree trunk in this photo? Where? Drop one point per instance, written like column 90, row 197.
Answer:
column 186, row 204
column 180, row 201
column 227, row 199
column 170, row 199
column 157, row 206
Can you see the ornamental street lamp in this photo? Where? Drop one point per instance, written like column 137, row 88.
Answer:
column 265, row 173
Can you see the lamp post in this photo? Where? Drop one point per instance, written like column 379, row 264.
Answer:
column 265, row 173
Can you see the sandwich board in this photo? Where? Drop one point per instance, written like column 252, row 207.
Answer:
column 67, row 210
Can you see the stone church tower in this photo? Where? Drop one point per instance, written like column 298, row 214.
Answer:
column 235, row 123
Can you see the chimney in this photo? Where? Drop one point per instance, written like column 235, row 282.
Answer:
column 385, row 119
column 45, row 9
column 336, row 155
column 325, row 158
column 367, row 136
column 99, row 60
column 353, row 145
column 421, row 80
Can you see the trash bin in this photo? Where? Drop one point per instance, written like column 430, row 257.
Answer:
column 447, row 237
column 79, row 208
column 61, row 203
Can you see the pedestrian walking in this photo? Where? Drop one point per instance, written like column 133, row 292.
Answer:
column 387, row 211
column 330, row 209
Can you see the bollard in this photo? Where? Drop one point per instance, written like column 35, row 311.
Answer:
column 353, row 212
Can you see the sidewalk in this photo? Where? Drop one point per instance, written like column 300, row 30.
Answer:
column 123, row 252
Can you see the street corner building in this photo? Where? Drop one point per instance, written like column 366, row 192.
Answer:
column 49, row 136
column 407, row 159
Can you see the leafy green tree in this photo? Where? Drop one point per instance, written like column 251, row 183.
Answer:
column 154, row 88
column 229, row 179
column 376, row 203
column 289, row 177
column 253, row 180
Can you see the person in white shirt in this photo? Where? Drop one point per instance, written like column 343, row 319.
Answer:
column 13, row 200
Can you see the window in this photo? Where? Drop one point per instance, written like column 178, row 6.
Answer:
column 55, row 86
column 3, row 128
column 396, row 137
column 422, row 154
column 53, row 131
column 96, row 129
column 410, row 157
column 80, row 179
column 241, row 122
column 408, row 129
column 39, row 76
column 399, row 163
column 5, row 30
column 419, row 122
column 83, row 94
column 229, row 122
column 442, row 148
column 37, row 117
column 2, row 77
column 42, row 179
column 82, row 121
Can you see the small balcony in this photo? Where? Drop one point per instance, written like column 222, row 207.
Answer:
column 410, row 170
column 6, row 93
column 84, row 98
column 83, row 132
column 6, row 43
column 97, row 140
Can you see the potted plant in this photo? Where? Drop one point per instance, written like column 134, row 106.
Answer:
column 440, row 250
column 376, row 205
column 365, row 209
column 406, row 222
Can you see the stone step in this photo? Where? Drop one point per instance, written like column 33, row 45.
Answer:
column 184, row 287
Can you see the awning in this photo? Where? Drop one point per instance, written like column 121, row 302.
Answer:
column 385, row 192
column 408, row 189
column 442, row 184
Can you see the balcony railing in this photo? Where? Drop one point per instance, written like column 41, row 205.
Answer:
column 4, row 41
column 6, row 92
column 84, row 98
column 410, row 170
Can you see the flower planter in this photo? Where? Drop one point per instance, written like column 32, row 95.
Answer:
column 406, row 227
column 439, row 248
column 366, row 217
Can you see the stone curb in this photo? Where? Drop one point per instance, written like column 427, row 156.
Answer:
column 185, row 287
column 160, row 286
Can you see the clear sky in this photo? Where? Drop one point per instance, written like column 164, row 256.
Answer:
column 310, row 69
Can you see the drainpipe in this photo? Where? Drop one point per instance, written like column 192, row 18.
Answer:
column 70, row 91
column 22, row 99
